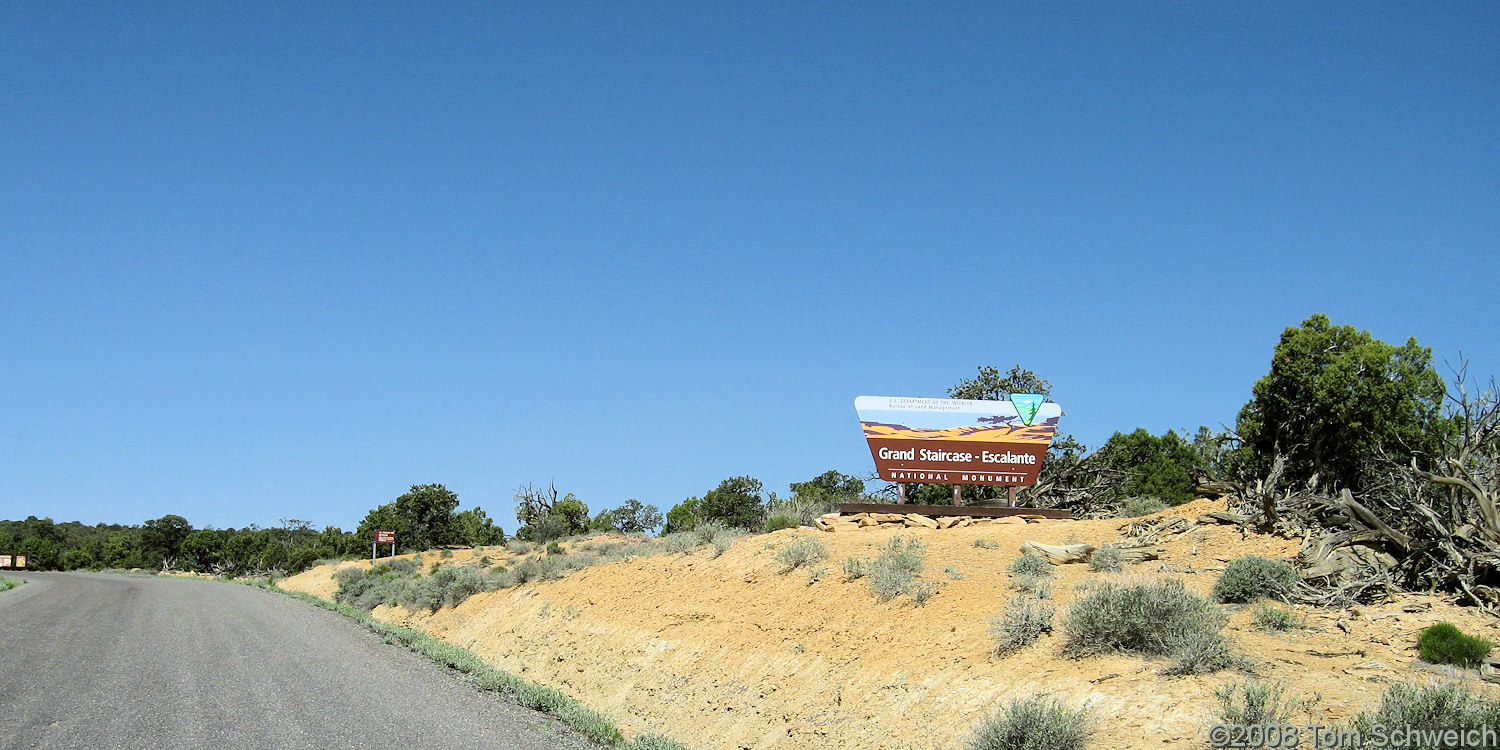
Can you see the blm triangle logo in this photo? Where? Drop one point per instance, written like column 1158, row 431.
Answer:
column 1026, row 405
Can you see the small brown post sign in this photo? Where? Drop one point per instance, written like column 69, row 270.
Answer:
column 382, row 536
column 958, row 442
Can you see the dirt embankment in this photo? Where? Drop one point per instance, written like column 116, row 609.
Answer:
column 729, row 652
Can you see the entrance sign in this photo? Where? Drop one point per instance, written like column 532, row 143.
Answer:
column 955, row 441
column 382, row 536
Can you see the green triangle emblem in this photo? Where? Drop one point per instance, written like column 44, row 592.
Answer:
column 1027, row 405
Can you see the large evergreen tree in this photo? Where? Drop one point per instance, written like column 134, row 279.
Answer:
column 1336, row 399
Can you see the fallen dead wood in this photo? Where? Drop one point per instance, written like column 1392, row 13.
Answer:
column 1059, row 554
column 1074, row 553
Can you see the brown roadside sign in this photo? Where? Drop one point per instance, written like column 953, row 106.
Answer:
column 954, row 441
column 385, row 536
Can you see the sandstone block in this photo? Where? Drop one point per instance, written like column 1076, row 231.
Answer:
column 912, row 519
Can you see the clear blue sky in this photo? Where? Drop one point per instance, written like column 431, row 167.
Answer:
column 265, row 260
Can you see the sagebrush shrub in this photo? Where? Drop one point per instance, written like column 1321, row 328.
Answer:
column 707, row 530
column 725, row 538
column 1435, row 706
column 681, row 542
column 1248, row 578
column 1037, row 586
column 921, row 591
column 1268, row 617
column 1034, row 723
column 1107, row 560
column 801, row 551
column 985, row 544
column 1136, row 507
column 1023, row 621
column 894, row 570
column 1153, row 618
column 1203, row 652
column 1444, row 643
column 1030, row 564
column 780, row 521
column 855, row 567
column 1254, row 702
column 655, row 742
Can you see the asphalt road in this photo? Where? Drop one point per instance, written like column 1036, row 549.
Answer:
column 140, row 663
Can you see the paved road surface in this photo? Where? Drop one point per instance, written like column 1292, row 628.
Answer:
column 138, row 663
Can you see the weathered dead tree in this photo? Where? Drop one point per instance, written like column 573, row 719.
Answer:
column 1062, row 554
column 1410, row 528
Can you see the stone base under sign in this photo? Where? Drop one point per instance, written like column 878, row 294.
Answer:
column 836, row 522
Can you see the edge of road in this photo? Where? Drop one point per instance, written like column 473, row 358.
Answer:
column 588, row 722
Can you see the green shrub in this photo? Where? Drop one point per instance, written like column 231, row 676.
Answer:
column 1248, row 578
column 404, row 566
column 1107, row 559
column 1024, row 621
column 518, row 547
column 1034, row 723
column 985, row 544
column 801, row 551
column 553, row 548
column 1152, row 618
column 953, row 572
column 1269, row 617
column 445, row 554
column 855, row 568
column 1444, row 643
column 1030, row 564
column 1436, row 706
column 814, row 574
column 780, row 521
column 1136, row 507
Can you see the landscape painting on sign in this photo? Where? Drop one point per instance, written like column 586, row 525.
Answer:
column 952, row 419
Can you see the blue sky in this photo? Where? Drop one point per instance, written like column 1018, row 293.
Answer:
column 284, row 260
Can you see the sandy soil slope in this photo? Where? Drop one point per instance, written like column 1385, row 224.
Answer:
column 729, row 652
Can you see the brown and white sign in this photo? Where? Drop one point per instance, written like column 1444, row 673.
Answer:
column 954, row 441
column 385, row 536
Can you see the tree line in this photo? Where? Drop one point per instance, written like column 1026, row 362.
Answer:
column 1338, row 411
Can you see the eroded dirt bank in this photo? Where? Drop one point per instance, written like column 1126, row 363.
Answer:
column 729, row 652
